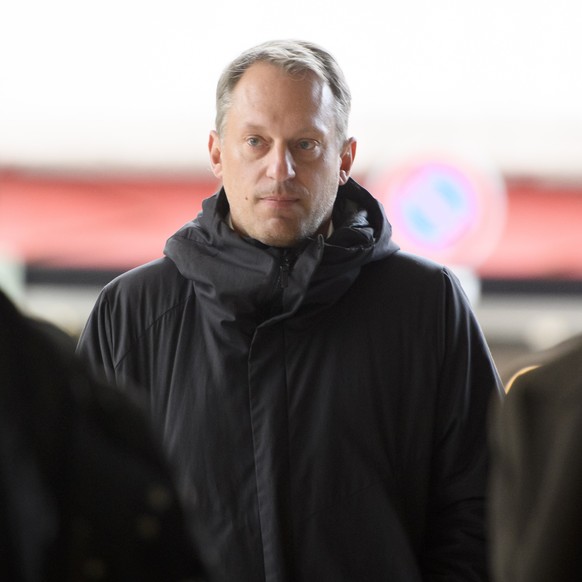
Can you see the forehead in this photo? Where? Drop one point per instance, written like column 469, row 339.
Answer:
column 266, row 90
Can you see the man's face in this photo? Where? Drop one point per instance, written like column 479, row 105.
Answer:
column 279, row 157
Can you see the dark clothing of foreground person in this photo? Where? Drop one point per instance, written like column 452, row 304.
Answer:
column 536, row 473
column 85, row 493
column 326, row 403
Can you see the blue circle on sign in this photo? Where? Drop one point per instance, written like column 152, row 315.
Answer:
column 438, row 205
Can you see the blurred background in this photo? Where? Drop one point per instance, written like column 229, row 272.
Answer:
column 468, row 117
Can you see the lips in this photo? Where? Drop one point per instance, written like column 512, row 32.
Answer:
column 280, row 199
column 276, row 203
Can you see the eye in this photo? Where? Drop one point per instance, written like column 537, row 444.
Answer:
column 254, row 141
column 307, row 144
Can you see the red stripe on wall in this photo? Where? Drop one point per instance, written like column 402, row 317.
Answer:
column 107, row 222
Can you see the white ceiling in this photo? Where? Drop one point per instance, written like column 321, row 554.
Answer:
column 130, row 83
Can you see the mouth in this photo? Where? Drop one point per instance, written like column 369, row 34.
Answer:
column 279, row 200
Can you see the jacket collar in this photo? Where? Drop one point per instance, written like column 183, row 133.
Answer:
column 236, row 277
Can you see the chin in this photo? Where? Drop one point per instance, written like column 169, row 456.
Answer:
column 279, row 242
column 279, row 239
column 279, row 233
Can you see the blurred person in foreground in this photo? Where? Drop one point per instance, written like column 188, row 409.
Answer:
column 323, row 392
column 536, row 472
column 85, row 492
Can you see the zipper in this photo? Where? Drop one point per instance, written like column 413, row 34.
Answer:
column 284, row 269
column 275, row 305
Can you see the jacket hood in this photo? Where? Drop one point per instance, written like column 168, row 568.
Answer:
column 238, row 276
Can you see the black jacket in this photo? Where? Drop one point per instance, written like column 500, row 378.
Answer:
column 326, row 406
column 85, row 490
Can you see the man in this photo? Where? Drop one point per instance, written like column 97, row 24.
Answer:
column 322, row 392
column 536, row 471
column 85, row 491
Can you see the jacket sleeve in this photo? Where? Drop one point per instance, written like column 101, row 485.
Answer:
column 456, row 544
column 95, row 345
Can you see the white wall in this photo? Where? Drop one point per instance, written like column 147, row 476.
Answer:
column 122, row 83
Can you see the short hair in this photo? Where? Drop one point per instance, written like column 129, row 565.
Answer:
column 294, row 57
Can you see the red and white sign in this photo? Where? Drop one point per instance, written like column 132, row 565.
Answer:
column 444, row 208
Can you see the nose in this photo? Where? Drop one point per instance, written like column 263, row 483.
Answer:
column 280, row 163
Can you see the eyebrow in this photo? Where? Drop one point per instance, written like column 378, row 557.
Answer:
column 255, row 127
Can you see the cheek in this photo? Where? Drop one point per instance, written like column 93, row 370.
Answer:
column 239, row 168
column 329, row 178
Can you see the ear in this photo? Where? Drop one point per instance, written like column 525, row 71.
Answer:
column 215, row 153
column 347, row 160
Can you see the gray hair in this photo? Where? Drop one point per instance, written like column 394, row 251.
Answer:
column 295, row 57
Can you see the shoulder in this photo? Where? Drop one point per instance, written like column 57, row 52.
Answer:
column 152, row 278
column 154, row 272
column 411, row 270
column 554, row 375
column 148, row 291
